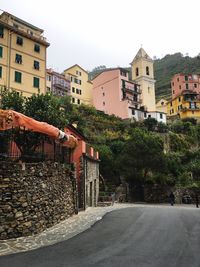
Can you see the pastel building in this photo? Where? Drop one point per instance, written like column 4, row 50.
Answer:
column 81, row 87
column 57, row 83
column 22, row 56
column 185, row 105
column 184, row 82
column 161, row 105
column 113, row 93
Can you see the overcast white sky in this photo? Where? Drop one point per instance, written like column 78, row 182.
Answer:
column 110, row 32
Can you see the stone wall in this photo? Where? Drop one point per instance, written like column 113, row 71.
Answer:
column 160, row 194
column 34, row 197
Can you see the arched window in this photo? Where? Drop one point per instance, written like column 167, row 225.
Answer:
column 147, row 70
column 137, row 71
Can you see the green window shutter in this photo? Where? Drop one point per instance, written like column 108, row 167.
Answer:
column 37, row 48
column 0, row 72
column 36, row 82
column 1, row 31
column 18, row 77
column 1, row 51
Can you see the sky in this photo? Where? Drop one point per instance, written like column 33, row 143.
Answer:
column 91, row 33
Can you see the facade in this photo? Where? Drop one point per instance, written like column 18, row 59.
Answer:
column 161, row 105
column 182, row 82
column 186, row 105
column 113, row 93
column 23, row 56
column 81, row 87
column 159, row 116
column 143, row 74
column 57, row 83
column 86, row 160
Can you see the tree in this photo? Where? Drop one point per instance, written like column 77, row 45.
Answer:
column 142, row 155
column 46, row 108
column 150, row 124
column 12, row 100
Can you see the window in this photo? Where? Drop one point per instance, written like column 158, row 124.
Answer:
column 36, row 65
column 147, row 70
column 173, row 92
column 73, row 100
column 36, row 82
column 186, row 78
column 161, row 115
column 137, row 72
column 179, row 99
column 133, row 112
column 180, row 87
column 18, row 59
column 37, row 48
column 0, row 71
column 172, row 83
column 48, row 89
column 149, row 116
column 78, row 73
column 15, row 25
column 123, row 73
column 145, row 114
column 103, row 94
column 186, row 86
column 78, row 101
column 1, row 31
column 73, row 90
column 103, row 103
column 48, row 77
column 195, row 85
column 1, row 51
column 177, row 79
column 19, row 40
column 18, row 77
column 77, row 91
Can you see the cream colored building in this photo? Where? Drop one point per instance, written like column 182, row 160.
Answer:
column 143, row 74
column 22, row 56
column 81, row 87
column 161, row 105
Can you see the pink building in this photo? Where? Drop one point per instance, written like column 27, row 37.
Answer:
column 114, row 94
column 181, row 83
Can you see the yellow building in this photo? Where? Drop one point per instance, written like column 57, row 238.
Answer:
column 143, row 74
column 22, row 56
column 161, row 105
column 186, row 105
column 81, row 87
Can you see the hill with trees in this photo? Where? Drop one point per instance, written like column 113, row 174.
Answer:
column 141, row 152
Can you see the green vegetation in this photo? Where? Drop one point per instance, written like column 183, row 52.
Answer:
column 141, row 153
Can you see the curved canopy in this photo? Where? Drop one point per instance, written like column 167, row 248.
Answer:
column 11, row 119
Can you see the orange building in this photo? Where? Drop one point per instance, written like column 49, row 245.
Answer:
column 86, row 160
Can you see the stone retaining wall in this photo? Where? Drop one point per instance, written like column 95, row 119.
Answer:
column 34, row 197
column 160, row 194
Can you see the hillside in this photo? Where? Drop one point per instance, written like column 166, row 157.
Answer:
column 164, row 69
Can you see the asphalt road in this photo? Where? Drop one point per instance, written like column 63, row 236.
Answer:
column 157, row 237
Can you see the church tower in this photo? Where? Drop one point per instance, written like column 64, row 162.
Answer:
column 143, row 74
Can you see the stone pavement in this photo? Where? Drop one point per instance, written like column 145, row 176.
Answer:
column 65, row 229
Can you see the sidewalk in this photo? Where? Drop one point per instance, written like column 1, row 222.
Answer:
column 68, row 228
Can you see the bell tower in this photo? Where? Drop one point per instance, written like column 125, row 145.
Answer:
column 143, row 74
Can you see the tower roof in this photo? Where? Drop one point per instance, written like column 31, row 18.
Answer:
column 141, row 54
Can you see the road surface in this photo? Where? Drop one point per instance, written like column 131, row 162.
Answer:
column 138, row 236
